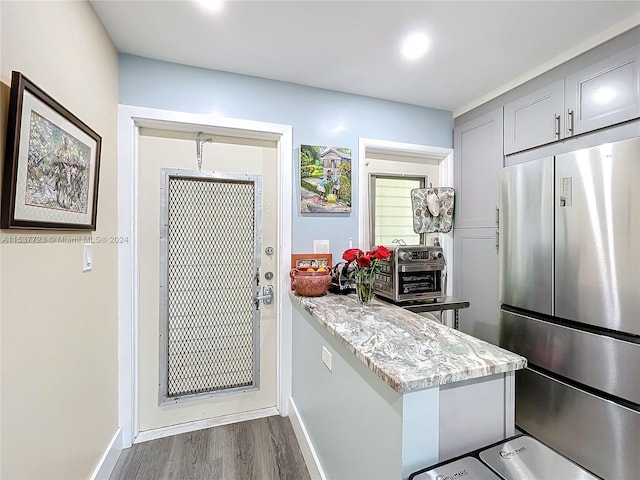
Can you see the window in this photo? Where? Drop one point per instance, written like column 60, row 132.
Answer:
column 391, row 213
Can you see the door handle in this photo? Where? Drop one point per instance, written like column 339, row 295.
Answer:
column 266, row 297
column 557, row 121
column 570, row 121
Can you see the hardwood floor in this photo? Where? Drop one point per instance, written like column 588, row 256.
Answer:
column 263, row 449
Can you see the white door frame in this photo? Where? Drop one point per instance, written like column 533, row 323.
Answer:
column 130, row 120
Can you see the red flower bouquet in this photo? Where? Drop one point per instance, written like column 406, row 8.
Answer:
column 364, row 267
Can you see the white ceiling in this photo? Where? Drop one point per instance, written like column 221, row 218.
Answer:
column 479, row 49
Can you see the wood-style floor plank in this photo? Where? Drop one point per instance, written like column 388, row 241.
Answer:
column 262, row 449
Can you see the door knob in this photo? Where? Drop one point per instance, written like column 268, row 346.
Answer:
column 266, row 297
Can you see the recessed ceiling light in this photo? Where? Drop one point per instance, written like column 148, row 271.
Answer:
column 415, row 46
column 211, row 5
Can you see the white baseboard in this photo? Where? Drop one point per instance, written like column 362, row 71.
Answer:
column 109, row 458
column 308, row 452
column 156, row 433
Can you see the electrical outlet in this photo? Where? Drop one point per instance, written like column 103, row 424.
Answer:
column 326, row 358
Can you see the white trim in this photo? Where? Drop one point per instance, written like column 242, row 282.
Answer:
column 127, row 291
column 202, row 424
column 308, row 452
column 109, row 458
column 588, row 44
column 509, row 404
column 446, row 240
column 285, row 179
column 130, row 119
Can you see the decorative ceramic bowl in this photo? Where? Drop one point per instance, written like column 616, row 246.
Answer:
column 310, row 284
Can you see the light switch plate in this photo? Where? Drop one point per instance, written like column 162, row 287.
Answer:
column 321, row 246
column 87, row 257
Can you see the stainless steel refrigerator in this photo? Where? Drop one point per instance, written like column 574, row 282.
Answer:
column 570, row 302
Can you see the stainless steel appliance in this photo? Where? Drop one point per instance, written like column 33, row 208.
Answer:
column 520, row 457
column 469, row 467
column 525, row 458
column 411, row 273
column 570, row 301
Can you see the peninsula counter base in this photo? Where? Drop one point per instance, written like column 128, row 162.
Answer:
column 357, row 427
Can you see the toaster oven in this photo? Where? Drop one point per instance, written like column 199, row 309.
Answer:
column 411, row 273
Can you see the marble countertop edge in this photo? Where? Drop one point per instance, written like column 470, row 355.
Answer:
column 389, row 328
column 394, row 383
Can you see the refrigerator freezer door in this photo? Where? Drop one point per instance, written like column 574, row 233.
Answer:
column 526, row 235
column 599, row 361
column 597, row 257
column 598, row 434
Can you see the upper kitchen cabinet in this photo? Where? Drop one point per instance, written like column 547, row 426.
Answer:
column 478, row 159
column 604, row 94
column 598, row 96
column 535, row 119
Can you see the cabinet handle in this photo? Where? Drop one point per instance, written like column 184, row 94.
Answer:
column 570, row 122
column 557, row 119
column 497, row 241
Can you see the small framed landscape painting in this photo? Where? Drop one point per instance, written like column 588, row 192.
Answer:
column 325, row 179
column 50, row 177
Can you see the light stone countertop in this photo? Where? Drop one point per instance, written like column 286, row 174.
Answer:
column 409, row 352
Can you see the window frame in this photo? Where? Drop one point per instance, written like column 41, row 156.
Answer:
column 424, row 179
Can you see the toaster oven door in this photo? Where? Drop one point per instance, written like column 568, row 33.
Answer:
column 415, row 284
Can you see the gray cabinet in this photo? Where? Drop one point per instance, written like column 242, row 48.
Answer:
column 476, row 280
column 535, row 119
column 600, row 95
column 605, row 93
column 478, row 159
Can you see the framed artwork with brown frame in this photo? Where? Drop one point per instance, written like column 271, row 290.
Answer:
column 52, row 161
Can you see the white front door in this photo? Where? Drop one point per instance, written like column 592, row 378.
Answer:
column 203, row 374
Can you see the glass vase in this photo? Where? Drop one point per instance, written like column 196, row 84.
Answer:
column 364, row 289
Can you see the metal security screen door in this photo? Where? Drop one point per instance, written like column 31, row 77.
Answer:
column 209, row 258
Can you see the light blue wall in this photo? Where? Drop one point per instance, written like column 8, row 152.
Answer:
column 360, row 428
column 318, row 117
column 353, row 418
